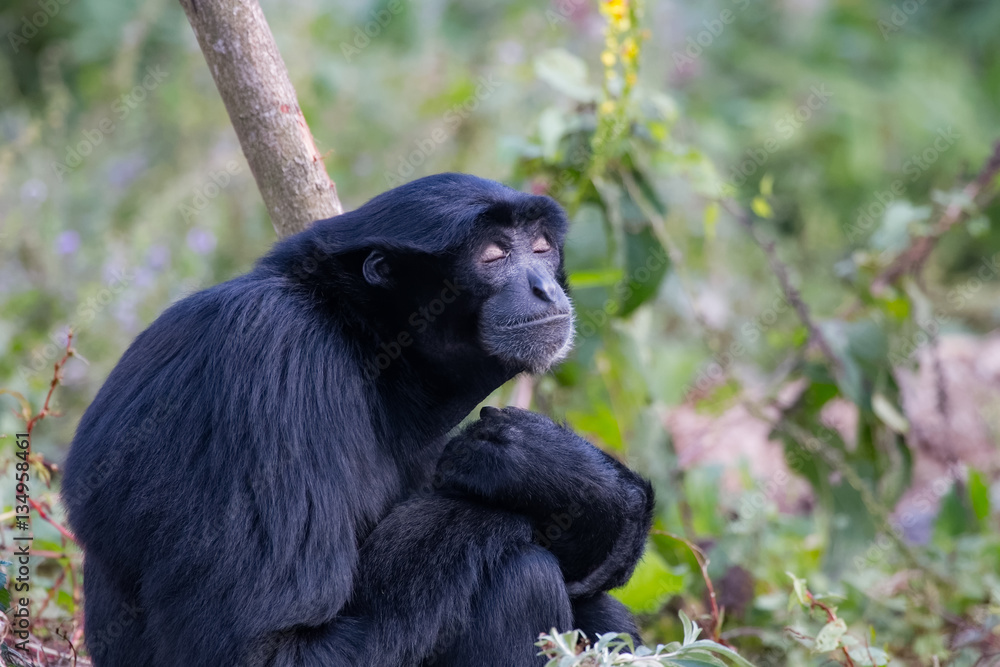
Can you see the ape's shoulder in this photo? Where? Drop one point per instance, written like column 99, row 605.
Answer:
column 213, row 358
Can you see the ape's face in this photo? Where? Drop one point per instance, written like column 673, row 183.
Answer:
column 526, row 319
column 510, row 305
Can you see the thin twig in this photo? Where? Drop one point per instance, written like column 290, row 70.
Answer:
column 703, row 562
column 912, row 259
column 56, row 378
column 64, row 636
column 830, row 618
column 62, row 529
column 791, row 293
column 53, row 590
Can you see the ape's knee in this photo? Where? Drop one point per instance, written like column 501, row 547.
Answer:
column 532, row 586
column 520, row 596
column 601, row 613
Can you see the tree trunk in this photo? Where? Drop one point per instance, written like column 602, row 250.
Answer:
column 253, row 82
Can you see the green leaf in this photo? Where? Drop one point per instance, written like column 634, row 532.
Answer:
column 599, row 421
column 65, row 601
column 868, row 656
column 829, row 636
column 651, row 586
column 890, row 416
column 898, row 225
column 691, row 630
column 646, row 263
column 566, row 73
column 666, row 106
column 711, row 218
column 730, row 654
column 761, row 207
column 800, row 589
column 953, row 518
column 979, row 495
column 862, row 349
column 19, row 397
column 978, row 227
column 601, row 278
column 551, row 127
column 767, row 185
column 587, row 248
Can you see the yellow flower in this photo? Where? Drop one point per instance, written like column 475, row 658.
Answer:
column 608, row 58
column 616, row 9
column 607, row 107
column 630, row 50
column 615, row 6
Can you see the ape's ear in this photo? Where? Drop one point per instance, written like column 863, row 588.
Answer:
column 376, row 270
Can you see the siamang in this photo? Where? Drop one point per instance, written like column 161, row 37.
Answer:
column 266, row 478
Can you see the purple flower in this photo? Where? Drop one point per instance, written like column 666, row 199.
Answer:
column 201, row 240
column 158, row 256
column 68, row 242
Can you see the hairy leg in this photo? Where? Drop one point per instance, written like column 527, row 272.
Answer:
column 602, row 613
column 446, row 582
column 114, row 621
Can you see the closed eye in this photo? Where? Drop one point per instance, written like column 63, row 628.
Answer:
column 541, row 244
column 492, row 253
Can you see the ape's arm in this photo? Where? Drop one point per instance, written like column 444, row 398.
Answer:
column 588, row 509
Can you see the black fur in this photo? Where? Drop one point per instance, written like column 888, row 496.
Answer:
column 266, row 479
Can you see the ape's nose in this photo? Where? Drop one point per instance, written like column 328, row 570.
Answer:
column 543, row 286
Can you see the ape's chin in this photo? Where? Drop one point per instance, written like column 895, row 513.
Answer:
column 534, row 346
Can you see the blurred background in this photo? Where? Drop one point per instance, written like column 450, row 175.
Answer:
column 785, row 257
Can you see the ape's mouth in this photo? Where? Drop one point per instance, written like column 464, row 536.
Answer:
column 533, row 344
column 538, row 321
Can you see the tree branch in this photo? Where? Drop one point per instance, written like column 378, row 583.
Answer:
column 789, row 291
column 912, row 259
column 253, row 82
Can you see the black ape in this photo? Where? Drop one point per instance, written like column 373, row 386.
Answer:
column 266, row 479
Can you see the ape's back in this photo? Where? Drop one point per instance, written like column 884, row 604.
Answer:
column 218, row 447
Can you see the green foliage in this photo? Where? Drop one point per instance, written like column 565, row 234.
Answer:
column 571, row 649
column 4, row 593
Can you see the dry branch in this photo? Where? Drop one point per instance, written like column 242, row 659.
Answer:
column 254, row 84
column 912, row 259
column 789, row 291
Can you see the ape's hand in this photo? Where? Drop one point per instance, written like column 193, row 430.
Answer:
column 591, row 511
